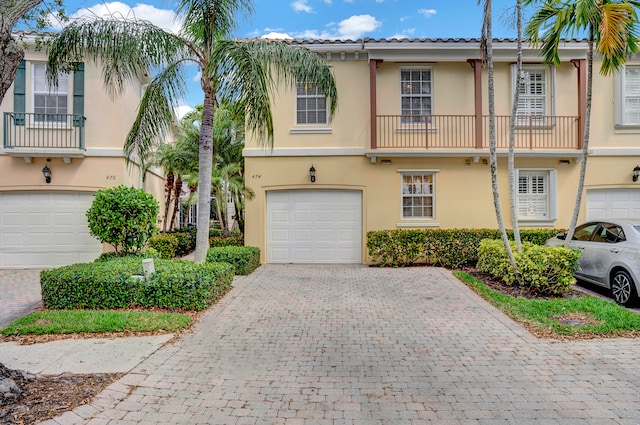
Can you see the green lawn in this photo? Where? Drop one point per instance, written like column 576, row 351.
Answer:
column 96, row 321
column 592, row 317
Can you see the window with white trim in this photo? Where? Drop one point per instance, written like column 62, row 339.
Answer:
column 533, row 92
column 311, row 104
column 50, row 104
column 629, row 96
column 415, row 95
column 536, row 194
column 417, row 195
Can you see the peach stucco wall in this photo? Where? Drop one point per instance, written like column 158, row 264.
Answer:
column 108, row 120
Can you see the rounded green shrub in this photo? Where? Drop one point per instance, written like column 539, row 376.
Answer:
column 123, row 217
column 165, row 244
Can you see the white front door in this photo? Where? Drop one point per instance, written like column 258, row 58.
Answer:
column 613, row 203
column 314, row 226
column 45, row 229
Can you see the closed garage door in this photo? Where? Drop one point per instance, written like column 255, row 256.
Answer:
column 45, row 229
column 613, row 203
column 314, row 226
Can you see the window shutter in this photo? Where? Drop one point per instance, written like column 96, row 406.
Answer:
column 19, row 91
column 78, row 95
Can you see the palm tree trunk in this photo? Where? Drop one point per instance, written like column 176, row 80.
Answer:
column 513, row 184
column 177, row 190
column 168, row 187
column 493, row 159
column 205, row 162
column 585, row 141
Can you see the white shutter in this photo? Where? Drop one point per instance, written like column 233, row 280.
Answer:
column 533, row 195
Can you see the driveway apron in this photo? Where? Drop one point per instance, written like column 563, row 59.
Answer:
column 313, row 345
column 19, row 294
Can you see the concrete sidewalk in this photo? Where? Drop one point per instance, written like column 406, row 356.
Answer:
column 316, row 345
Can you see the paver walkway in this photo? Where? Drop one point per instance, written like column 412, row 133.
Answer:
column 315, row 345
column 19, row 294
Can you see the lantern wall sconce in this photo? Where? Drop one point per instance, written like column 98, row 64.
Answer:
column 46, row 172
column 636, row 173
column 312, row 173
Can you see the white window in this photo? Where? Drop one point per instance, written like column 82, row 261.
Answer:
column 536, row 195
column 532, row 99
column 311, row 104
column 629, row 96
column 415, row 94
column 50, row 104
column 417, row 195
column 536, row 94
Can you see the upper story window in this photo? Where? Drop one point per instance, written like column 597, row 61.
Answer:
column 415, row 94
column 417, row 194
column 628, row 95
column 535, row 94
column 536, row 195
column 311, row 104
column 50, row 104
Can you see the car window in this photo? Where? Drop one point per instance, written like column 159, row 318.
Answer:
column 609, row 233
column 584, row 232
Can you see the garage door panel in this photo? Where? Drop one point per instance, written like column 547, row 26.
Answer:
column 302, row 216
column 45, row 229
column 321, row 226
column 613, row 203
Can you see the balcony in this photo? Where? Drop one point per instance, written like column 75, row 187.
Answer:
column 30, row 135
column 462, row 133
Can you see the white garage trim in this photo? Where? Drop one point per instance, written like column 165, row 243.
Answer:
column 613, row 203
column 314, row 226
column 45, row 229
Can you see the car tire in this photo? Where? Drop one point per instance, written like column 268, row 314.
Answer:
column 622, row 288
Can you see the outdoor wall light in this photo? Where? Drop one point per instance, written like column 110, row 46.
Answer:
column 312, row 173
column 46, row 172
column 636, row 173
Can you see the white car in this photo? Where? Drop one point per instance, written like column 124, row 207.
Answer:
column 610, row 256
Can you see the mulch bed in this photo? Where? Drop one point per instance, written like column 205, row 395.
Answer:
column 47, row 396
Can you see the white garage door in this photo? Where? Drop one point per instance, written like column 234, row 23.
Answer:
column 45, row 229
column 613, row 203
column 314, row 226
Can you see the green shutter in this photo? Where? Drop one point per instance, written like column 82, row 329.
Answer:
column 78, row 95
column 19, row 91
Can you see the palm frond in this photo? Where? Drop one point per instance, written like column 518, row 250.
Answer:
column 155, row 113
column 127, row 49
column 249, row 70
column 205, row 18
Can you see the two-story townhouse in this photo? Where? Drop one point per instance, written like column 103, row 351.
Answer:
column 61, row 145
column 409, row 146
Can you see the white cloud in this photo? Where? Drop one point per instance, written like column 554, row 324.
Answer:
column 182, row 110
column 196, row 78
column 301, row 6
column 408, row 33
column 273, row 35
column 163, row 18
column 357, row 25
column 427, row 13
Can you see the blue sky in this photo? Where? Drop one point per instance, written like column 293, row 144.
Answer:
column 325, row 19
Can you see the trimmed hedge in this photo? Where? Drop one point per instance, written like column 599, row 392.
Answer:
column 234, row 240
column 544, row 270
column 183, row 285
column 108, row 284
column 186, row 242
column 166, row 244
column 452, row 248
column 245, row 259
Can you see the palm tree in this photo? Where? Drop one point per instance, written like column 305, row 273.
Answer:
column 513, row 185
column 243, row 70
column 486, row 42
column 610, row 26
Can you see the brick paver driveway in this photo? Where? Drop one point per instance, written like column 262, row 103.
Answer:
column 358, row 345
